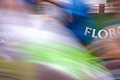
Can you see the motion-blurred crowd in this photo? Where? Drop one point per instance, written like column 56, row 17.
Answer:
column 58, row 40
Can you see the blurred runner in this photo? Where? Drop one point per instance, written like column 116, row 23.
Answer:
column 79, row 18
column 51, row 45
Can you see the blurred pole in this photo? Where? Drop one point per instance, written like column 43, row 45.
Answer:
column 101, row 8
